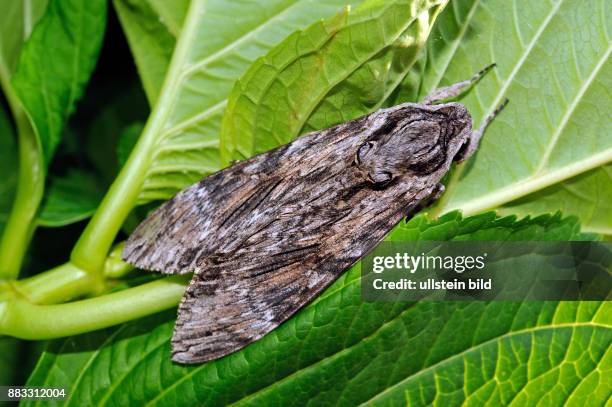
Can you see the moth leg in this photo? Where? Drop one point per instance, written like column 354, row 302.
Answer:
column 437, row 192
column 456, row 89
column 476, row 135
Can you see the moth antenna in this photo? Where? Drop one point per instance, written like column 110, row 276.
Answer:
column 456, row 89
column 477, row 135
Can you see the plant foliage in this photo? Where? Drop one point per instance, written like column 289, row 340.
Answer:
column 223, row 80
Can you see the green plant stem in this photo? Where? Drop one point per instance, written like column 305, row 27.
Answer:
column 54, row 321
column 66, row 282
column 20, row 224
column 57, row 285
column 92, row 248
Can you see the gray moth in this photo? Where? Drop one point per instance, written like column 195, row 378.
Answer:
column 266, row 235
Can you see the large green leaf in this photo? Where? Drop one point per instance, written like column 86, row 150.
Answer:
column 332, row 72
column 555, row 128
column 217, row 42
column 557, row 123
column 588, row 196
column 342, row 351
column 55, row 64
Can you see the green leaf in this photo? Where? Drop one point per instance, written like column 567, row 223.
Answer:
column 50, row 74
column 587, row 196
column 342, row 351
column 329, row 73
column 217, row 45
column 69, row 199
column 55, row 64
column 21, row 196
column 16, row 23
column 171, row 14
column 8, row 167
column 556, row 125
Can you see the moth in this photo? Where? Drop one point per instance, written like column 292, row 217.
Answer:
column 266, row 235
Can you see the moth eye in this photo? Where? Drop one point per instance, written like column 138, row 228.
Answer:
column 363, row 150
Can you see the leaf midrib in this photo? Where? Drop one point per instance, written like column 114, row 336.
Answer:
column 530, row 184
column 237, row 42
column 185, row 75
column 442, row 207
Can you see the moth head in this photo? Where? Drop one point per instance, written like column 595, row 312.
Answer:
column 413, row 139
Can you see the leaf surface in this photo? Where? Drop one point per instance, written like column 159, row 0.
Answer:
column 16, row 23
column 342, row 351
column 150, row 37
column 588, row 196
column 55, row 64
column 69, row 199
column 329, row 73
column 556, row 125
column 218, row 41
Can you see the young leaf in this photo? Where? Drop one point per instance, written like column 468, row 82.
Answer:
column 556, row 125
column 55, row 65
column 331, row 72
column 342, row 351
column 69, row 199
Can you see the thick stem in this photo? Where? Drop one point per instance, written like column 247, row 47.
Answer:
column 65, row 282
column 55, row 321
column 92, row 248
column 57, row 285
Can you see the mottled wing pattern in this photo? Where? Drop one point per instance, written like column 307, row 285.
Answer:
column 183, row 229
column 219, row 315
column 210, row 217
column 268, row 234
column 242, row 296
